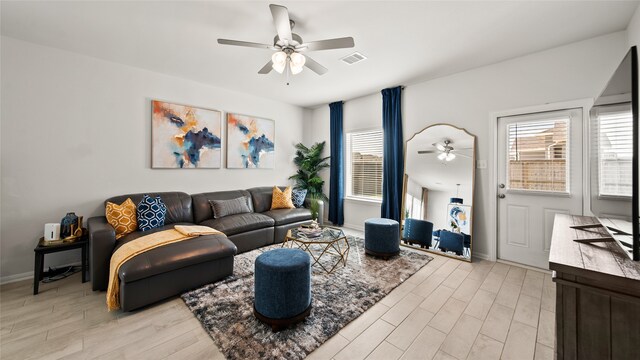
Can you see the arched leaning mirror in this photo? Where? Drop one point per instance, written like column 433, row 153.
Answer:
column 438, row 191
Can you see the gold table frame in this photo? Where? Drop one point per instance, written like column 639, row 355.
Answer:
column 336, row 246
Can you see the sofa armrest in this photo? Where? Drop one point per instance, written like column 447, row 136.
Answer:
column 307, row 204
column 102, row 241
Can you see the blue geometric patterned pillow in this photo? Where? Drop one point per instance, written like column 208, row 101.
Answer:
column 297, row 197
column 151, row 213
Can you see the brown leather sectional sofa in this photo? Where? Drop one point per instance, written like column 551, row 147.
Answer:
column 172, row 269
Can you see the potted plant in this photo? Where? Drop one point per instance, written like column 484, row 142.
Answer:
column 310, row 162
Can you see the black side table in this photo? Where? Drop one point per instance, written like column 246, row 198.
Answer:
column 41, row 250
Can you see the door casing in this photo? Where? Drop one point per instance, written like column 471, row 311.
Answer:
column 586, row 105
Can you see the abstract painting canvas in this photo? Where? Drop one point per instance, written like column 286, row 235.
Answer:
column 250, row 142
column 185, row 136
column 459, row 216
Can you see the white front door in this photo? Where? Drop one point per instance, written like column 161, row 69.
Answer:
column 539, row 176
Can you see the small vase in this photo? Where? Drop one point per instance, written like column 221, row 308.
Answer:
column 66, row 223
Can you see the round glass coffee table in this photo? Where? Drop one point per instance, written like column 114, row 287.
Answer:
column 331, row 242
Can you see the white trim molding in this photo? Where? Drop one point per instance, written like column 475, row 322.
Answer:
column 16, row 277
column 28, row 275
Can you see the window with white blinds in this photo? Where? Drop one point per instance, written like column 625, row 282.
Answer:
column 364, row 165
column 538, row 155
column 614, row 126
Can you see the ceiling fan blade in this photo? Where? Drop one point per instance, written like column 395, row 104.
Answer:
column 463, row 155
column 245, row 44
column 426, row 151
column 439, row 146
column 267, row 68
column 339, row 43
column 314, row 66
column 281, row 21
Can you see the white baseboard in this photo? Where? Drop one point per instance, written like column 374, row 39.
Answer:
column 16, row 277
column 482, row 256
column 354, row 227
column 546, row 271
column 28, row 275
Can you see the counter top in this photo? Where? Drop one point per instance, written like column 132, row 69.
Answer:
column 601, row 261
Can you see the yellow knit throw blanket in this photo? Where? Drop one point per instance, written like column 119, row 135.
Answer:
column 143, row 244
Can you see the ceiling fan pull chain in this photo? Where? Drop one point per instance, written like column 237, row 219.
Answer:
column 288, row 70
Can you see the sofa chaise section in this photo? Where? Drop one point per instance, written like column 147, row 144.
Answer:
column 164, row 271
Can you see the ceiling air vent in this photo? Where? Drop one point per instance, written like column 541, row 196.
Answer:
column 353, row 58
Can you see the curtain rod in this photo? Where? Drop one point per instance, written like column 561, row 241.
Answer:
column 361, row 96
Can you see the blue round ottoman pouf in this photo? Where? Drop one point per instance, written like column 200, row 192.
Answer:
column 282, row 287
column 381, row 237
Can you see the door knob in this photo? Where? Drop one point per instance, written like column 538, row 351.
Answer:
column 501, row 196
column 501, row 186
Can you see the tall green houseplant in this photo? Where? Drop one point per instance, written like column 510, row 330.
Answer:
column 310, row 162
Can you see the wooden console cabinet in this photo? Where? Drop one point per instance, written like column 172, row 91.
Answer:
column 597, row 295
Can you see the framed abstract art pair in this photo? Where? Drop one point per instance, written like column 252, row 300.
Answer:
column 190, row 137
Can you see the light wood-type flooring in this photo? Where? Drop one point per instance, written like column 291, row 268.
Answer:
column 447, row 310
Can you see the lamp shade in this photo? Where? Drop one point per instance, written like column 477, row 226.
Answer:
column 296, row 62
column 279, row 61
column 455, row 200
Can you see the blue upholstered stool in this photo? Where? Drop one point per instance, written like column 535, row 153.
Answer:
column 381, row 237
column 450, row 241
column 418, row 231
column 282, row 287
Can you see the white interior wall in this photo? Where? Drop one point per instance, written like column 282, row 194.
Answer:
column 437, row 209
column 633, row 30
column 76, row 130
column 633, row 33
column 575, row 71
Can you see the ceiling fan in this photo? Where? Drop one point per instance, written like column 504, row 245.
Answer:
column 445, row 151
column 289, row 46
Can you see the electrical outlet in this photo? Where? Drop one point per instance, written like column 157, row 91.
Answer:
column 481, row 164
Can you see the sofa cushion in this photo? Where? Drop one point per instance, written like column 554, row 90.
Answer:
column 175, row 256
column 178, row 205
column 298, row 196
column 151, row 213
column 288, row 216
column 137, row 234
column 122, row 217
column 222, row 208
column 262, row 197
column 202, row 207
column 239, row 223
column 281, row 199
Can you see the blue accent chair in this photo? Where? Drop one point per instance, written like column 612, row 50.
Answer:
column 282, row 287
column 418, row 232
column 450, row 241
column 381, row 237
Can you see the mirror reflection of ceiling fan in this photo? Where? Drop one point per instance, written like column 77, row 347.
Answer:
column 289, row 46
column 445, row 151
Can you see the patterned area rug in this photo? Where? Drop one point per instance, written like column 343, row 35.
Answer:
column 225, row 309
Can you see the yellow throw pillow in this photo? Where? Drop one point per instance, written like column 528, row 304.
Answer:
column 281, row 199
column 122, row 217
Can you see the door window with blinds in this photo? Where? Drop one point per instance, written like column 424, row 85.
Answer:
column 364, row 165
column 538, row 154
column 612, row 128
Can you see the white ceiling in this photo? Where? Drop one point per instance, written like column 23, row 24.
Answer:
column 405, row 42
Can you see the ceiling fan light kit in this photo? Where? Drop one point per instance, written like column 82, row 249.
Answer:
column 445, row 151
column 289, row 46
